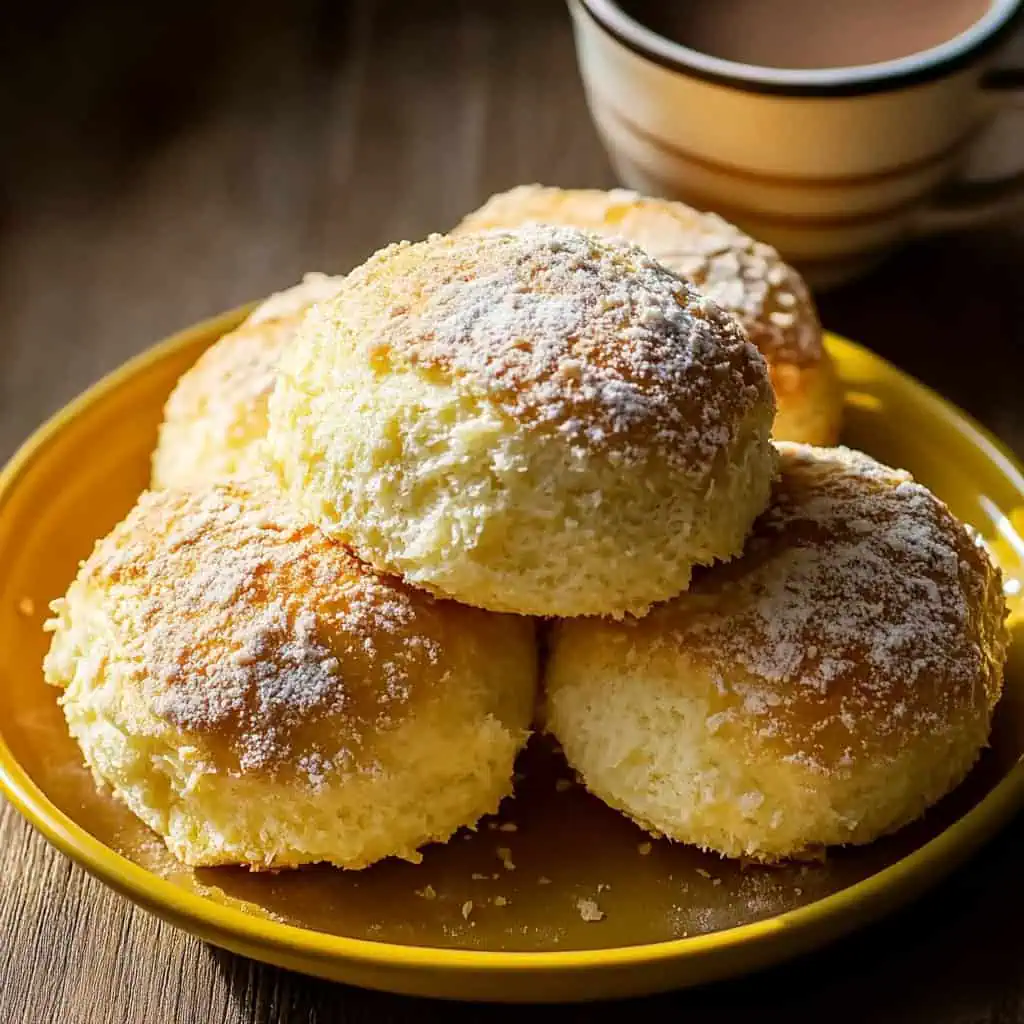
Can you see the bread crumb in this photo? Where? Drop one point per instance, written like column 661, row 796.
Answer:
column 644, row 849
column 716, row 881
column 703, row 873
column 508, row 826
column 493, row 826
column 589, row 910
column 477, row 877
column 427, row 892
column 543, row 880
column 505, row 856
column 602, row 886
column 467, row 909
column 798, row 891
column 561, row 785
column 500, row 901
column 27, row 607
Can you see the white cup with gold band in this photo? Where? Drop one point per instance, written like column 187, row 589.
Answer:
column 832, row 166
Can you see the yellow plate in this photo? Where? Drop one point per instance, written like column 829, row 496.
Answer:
column 463, row 924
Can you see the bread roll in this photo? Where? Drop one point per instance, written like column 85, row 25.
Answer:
column 215, row 420
column 257, row 696
column 823, row 689
column 536, row 421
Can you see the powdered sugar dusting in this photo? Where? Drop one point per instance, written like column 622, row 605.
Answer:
column 750, row 279
column 855, row 601
column 248, row 627
column 744, row 276
column 592, row 337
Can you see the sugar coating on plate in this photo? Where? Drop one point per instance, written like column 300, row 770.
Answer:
column 215, row 419
column 825, row 688
column 746, row 277
column 258, row 696
column 538, row 421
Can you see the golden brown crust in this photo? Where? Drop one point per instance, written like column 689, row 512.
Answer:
column 745, row 277
column 216, row 416
column 261, row 640
column 808, row 403
column 229, row 384
column 587, row 336
column 861, row 619
column 742, row 275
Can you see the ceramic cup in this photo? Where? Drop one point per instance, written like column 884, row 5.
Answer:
column 833, row 166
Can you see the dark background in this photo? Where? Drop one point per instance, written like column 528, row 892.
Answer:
column 160, row 165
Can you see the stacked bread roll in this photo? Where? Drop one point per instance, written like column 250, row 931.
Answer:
column 315, row 638
column 744, row 276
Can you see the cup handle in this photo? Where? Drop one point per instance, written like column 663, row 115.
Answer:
column 969, row 203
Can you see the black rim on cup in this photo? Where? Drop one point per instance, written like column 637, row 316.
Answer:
column 954, row 54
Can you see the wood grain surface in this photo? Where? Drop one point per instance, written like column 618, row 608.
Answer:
column 156, row 168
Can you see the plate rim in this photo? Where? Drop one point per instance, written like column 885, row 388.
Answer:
column 233, row 927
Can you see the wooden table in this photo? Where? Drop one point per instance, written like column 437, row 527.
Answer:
column 159, row 168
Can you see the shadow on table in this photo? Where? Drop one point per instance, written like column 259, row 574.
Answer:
column 955, row 955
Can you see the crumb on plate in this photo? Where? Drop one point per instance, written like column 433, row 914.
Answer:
column 589, row 910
